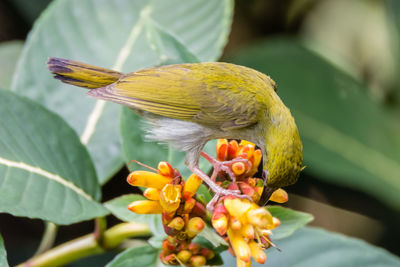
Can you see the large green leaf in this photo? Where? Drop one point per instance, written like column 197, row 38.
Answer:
column 291, row 221
column 348, row 139
column 3, row 254
column 9, row 53
column 45, row 172
column 114, row 34
column 315, row 247
column 137, row 256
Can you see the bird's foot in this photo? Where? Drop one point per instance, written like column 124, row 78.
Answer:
column 225, row 166
column 218, row 190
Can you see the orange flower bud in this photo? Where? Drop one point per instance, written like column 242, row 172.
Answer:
column 169, row 259
column 194, row 248
column 168, row 246
column 189, row 205
column 239, row 245
column 197, row 261
column 148, row 179
column 220, row 223
column 240, row 263
column 194, row 226
column 248, row 231
column 184, row 256
column 238, row 168
column 245, row 143
column 208, row 253
column 191, row 186
column 170, row 197
column 237, row 207
column 257, row 252
column 255, row 160
column 222, row 149
column 247, row 149
column 165, row 169
column 233, row 147
column 276, row 222
column 177, row 223
column 257, row 155
column 279, row 196
column 145, row 207
column 259, row 217
column 152, row 193
column 235, row 223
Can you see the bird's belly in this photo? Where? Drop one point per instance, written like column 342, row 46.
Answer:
column 186, row 135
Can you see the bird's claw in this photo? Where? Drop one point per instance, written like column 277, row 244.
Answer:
column 221, row 192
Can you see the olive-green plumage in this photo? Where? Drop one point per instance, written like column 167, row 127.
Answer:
column 189, row 104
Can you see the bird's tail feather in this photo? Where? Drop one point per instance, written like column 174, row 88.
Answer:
column 81, row 74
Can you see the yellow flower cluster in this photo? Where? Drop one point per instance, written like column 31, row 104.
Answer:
column 182, row 216
column 241, row 222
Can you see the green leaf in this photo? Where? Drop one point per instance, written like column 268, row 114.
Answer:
column 30, row 9
column 316, row 247
column 9, row 53
column 348, row 139
column 291, row 221
column 119, row 208
column 136, row 256
column 3, row 254
column 112, row 34
column 45, row 172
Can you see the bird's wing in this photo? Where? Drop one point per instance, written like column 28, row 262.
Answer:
column 218, row 94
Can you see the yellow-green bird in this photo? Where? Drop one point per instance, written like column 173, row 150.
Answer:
column 190, row 104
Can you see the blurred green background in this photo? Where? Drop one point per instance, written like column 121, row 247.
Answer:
column 337, row 66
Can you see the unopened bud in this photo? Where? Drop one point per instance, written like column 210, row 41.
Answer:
column 165, row 169
column 191, row 186
column 148, row 179
column 233, row 147
column 197, row 261
column 220, row 223
column 177, row 223
column 184, row 256
column 169, row 259
column 248, row 231
column 276, row 222
column 257, row 252
column 145, row 207
column 239, row 245
column 222, row 149
column 238, row 168
column 279, row 196
column 235, row 223
column 152, row 193
column 168, row 246
column 240, row 263
column 259, row 217
column 207, row 253
column 189, row 205
column 194, row 226
column 194, row 248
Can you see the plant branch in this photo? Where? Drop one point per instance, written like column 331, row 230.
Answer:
column 88, row 245
column 49, row 236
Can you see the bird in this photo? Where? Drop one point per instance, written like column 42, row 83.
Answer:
column 186, row 105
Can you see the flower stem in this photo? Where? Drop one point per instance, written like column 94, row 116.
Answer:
column 88, row 245
column 49, row 236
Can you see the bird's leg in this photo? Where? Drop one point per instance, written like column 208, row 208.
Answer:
column 218, row 191
column 225, row 166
